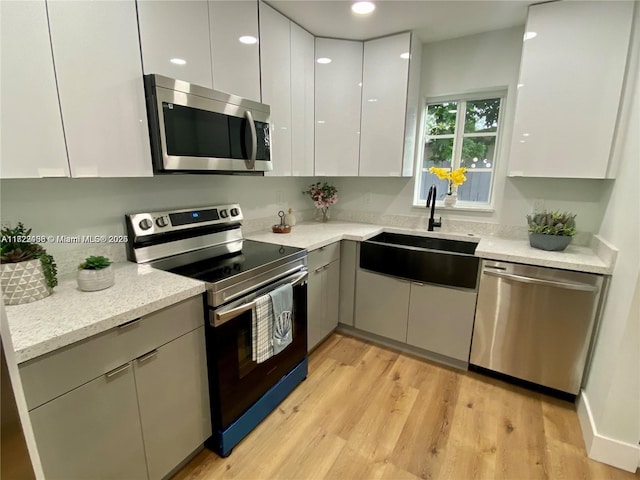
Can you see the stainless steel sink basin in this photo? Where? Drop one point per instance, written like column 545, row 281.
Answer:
column 423, row 259
column 429, row 243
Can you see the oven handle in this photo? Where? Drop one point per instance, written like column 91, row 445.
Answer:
column 223, row 317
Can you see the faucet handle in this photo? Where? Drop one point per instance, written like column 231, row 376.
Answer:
column 438, row 223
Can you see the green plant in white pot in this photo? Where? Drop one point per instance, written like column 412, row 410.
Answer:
column 551, row 231
column 95, row 273
column 27, row 271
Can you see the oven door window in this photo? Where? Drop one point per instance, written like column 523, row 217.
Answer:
column 192, row 132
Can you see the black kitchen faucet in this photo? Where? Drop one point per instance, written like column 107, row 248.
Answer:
column 431, row 198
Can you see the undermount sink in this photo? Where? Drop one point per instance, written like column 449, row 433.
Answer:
column 429, row 243
column 423, row 259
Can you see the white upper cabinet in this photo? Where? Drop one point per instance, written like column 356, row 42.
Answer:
column 275, row 65
column 32, row 137
column 571, row 74
column 302, row 98
column 97, row 61
column 385, row 78
column 234, row 47
column 174, row 37
column 338, row 98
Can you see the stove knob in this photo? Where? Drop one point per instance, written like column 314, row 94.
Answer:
column 234, row 212
column 223, row 214
column 236, row 266
column 145, row 224
column 227, row 269
column 162, row 221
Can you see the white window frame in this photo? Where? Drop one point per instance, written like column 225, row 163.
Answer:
column 458, row 137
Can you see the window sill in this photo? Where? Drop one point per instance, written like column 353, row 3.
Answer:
column 460, row 208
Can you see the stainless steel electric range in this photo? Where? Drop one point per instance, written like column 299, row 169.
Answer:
column 207, row 244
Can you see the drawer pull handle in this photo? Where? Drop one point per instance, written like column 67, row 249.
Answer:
column 147, row 356
column 129, row 324
column 118, row 370
column 319, row 269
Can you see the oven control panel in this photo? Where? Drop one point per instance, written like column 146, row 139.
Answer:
column 144, row 224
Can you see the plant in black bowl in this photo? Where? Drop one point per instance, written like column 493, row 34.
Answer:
column 551, row 231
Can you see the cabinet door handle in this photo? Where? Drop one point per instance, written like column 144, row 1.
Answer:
column 147, row 356
column 118, row 370
column 420, row 284
column 319, row 269
column 129, row 324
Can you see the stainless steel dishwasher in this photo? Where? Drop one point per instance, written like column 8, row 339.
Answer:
column 535, row 323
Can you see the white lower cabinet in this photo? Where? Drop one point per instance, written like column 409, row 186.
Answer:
column 138, row 419
column 441, row 320
column 173, row 397
column 323, row 293
column 433, row 318
column 381, row 305
column 93, row 431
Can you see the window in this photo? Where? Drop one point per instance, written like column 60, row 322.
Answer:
column 460, row 133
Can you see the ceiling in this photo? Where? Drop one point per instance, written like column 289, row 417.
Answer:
column 432, row 20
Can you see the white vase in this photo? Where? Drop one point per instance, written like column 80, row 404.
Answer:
column 290, row 218
column 23, row 282
column 94, row 280
column 450, row 199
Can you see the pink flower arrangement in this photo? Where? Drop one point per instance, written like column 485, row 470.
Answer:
column 323, row 195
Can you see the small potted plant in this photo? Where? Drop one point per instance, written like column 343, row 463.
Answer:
column 27, row 272
column 551, row 231
column 95, row 273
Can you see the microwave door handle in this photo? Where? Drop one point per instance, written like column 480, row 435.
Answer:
column 251, row 164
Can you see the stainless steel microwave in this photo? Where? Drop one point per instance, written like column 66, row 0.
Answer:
column 198, row 130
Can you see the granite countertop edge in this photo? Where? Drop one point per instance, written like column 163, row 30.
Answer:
column 69, row 315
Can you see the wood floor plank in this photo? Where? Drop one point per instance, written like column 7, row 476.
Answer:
column 368, row 413
column 421, row 446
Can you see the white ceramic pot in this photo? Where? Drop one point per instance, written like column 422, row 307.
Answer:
column 93, row 280
column 450, row 199
column 23, row 282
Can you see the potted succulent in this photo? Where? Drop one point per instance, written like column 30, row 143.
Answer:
column 95, row 273
column 551, row 230
column 27, row 272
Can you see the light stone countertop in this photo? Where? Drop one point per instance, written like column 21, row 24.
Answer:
column 313, row 235
column 69, row 315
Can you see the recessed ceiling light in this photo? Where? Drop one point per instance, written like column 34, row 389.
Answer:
column 405, row 55
column 178, row 61
column 529, row 36
column 323, row 60
column 363, row 8
column 248, row 40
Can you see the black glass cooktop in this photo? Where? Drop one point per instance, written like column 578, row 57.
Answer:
column 253, row 255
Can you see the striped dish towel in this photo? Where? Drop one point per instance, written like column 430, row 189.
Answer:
column 262, row 329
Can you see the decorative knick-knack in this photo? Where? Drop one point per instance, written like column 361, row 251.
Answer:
column 290, row 218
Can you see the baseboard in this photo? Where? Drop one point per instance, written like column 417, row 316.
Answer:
column 604, row 449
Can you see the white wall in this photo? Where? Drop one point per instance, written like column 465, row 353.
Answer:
column 476, row 63
column 97, row 206
column 613, row 385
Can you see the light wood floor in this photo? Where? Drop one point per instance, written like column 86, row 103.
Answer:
column 366, row 412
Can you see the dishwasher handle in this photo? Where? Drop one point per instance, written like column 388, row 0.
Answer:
column 539, row 281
